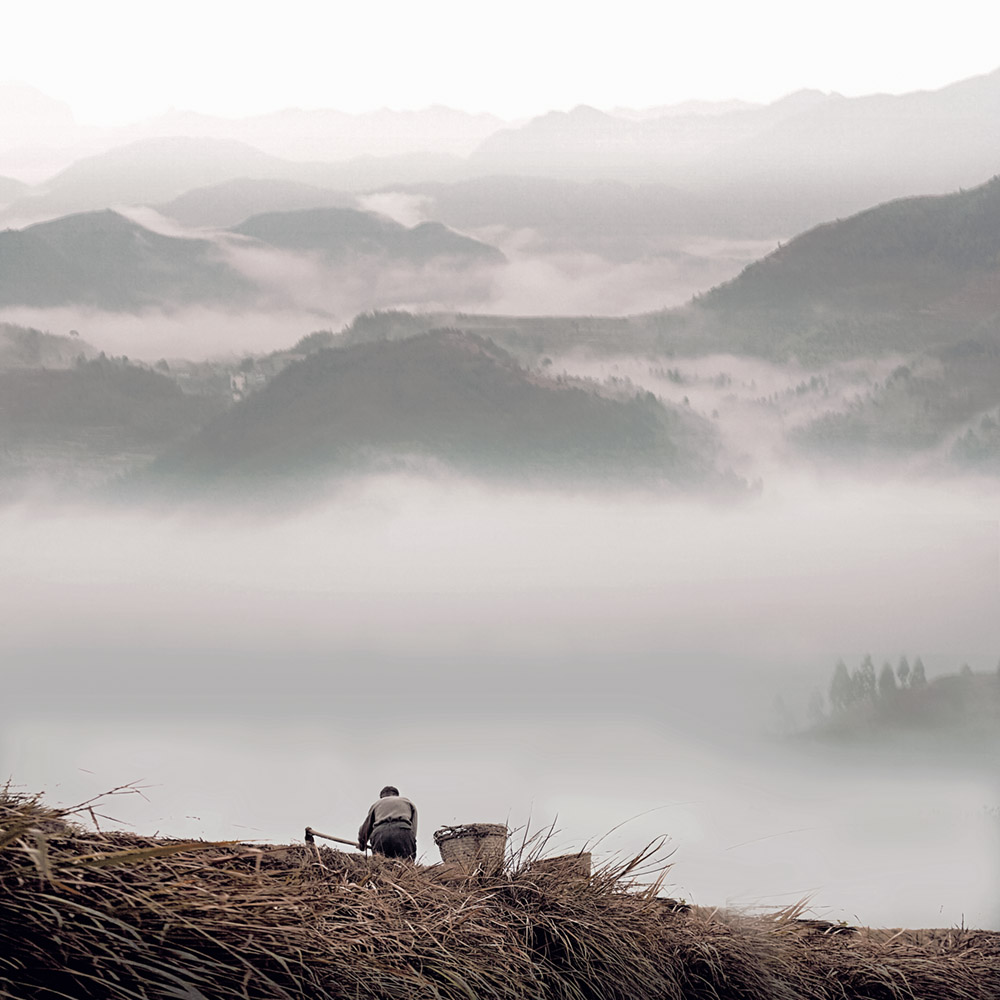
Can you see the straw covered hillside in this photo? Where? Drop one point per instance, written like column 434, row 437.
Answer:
column 109, row 915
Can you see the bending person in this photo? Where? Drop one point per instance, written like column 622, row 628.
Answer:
column 391, row 826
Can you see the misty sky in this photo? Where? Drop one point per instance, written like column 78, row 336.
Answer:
column 116, row 62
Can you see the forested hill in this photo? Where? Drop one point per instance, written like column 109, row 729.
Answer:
column 103, row 259
column 443, row 396
column 339, row 233
column 71, row 428
column 913, row 274
column 26, row 347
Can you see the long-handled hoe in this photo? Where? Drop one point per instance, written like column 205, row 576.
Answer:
column 311, row 834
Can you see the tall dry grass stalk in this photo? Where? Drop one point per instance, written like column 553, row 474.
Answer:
column 92, row 915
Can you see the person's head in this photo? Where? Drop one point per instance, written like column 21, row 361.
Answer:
column 388, row 790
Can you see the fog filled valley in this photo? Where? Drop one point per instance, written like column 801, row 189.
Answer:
column 588, row 659
column 545, row 468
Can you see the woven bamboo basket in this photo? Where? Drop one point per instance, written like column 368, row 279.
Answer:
column 473, row 846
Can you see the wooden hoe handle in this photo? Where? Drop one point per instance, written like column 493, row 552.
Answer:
column 310, row 833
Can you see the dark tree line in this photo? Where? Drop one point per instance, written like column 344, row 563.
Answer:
column 899, row 695
column 863, row 686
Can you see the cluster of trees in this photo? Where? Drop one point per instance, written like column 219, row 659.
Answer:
column 862, row 685
column 900, row 691
column 915, row 409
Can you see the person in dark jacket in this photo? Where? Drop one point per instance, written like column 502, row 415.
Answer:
column 391, row 826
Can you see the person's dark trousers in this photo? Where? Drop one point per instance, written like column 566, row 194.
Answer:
column 395, row 840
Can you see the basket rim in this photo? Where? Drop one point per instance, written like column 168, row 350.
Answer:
column 479, row 830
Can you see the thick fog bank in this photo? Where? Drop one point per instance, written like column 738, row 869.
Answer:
column 755, row 404
column 506, row 655
column 193, row 334
column 835, row 562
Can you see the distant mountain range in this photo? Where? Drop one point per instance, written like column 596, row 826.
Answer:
column 750, row 170
column 104, row 260
column 145, row 173
column 588, row 144
column 444, row 396
column 851, row 151
column 151, row 171
column 42, row 137
column 915, row 280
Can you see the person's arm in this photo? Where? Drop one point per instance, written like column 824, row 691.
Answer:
column 366, row 829
column 413, row 818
